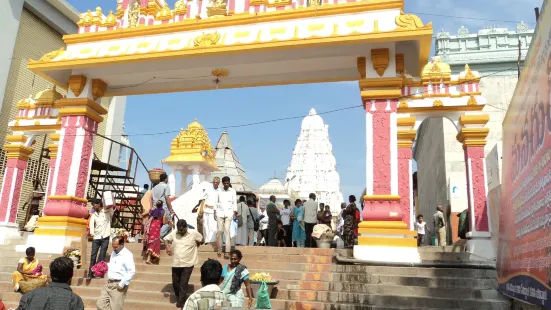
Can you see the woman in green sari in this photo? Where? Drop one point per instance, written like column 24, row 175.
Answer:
column 234, row 274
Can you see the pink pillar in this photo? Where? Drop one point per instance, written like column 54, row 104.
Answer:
column 18, row 156
column 476, row 188
column 381, row 200
column 405, row 183
column 69, row 181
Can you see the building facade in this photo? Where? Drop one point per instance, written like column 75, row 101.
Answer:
column 32, row 28
column 494, row 53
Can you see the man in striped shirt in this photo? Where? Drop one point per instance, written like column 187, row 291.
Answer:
column 210, row 295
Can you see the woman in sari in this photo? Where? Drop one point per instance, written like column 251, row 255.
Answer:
column 299, row 233
column 233, row 275
column 350, row 224
column 153, row 235
column 25, row 268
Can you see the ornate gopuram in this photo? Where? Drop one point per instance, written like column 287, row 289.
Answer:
column 147, row 47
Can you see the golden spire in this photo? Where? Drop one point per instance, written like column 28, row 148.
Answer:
column 192, row 145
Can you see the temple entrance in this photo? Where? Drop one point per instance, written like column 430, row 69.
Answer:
column 148, row 47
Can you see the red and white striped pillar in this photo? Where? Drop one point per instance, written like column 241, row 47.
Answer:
column 17, row 159
column 473, row 136
column 406, row 136
column 65, row 209
column 381, row 199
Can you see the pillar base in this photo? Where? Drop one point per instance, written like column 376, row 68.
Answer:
column 9, row 233
column 386, row 241
column 47, row 244
column 54, row 233
column 480, row 245
column 387, row 254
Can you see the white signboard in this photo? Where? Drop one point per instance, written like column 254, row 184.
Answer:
column 493, row 165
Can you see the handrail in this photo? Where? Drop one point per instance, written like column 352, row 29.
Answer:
column 129, row 147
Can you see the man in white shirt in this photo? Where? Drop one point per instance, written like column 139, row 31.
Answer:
column 263, row 229
column 210, row 226
column 210, row 295
column 310, row 218
column 121, row 271
column 100, row 230
column 182, row 245
column 227, row 209
column 286, row 221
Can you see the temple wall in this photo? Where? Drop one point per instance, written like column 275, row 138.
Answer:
column 431, row 169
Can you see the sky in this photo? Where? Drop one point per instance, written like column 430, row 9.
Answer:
column 265, row 150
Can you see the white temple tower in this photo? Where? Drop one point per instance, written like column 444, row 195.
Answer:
column 313, row 166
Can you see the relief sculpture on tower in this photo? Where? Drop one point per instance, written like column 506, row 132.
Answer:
column 217, row 8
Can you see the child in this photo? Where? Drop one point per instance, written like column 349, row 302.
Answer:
column 281, row 234
column 420, row 227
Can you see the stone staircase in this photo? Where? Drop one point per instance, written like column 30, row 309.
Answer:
column 309, row 279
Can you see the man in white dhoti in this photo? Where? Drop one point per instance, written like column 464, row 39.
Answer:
column 242, row 231
column 210, row 226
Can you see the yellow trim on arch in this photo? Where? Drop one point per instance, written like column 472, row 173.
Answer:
column 64, row 219
column 236, row 20
column 58, row 232
column 334, row 40
column 72, row 198
column 391, row 242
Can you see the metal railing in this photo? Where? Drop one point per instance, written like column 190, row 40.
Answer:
column 126, row 192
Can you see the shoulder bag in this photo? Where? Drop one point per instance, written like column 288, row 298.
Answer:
column 256, row 224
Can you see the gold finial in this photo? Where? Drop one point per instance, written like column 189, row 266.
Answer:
column 437, row 103
column 164, row 14
column 180, row 7
column 111, row 19
column 217, row 8
column 472, row 101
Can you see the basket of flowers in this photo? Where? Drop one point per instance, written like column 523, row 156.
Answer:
column 155, row 175
column 257, row 279
column 74, row 254
column 120, row 232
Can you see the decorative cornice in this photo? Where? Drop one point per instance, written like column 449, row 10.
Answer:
column 380, row 59
column 77, row 83
column 374, row 94
column 382, row 197
column 473, row 136
column 18, row 151
column 362, row 69
column 98, row 88
column 400, row 63
column 474, row 119
column 381, row 82
column 405, row 121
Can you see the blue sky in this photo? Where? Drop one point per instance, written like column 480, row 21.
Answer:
column 265, row 150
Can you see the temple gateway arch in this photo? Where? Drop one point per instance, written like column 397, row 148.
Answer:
column 147, row 47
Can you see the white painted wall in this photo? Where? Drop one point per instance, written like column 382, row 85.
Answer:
column 114, row 130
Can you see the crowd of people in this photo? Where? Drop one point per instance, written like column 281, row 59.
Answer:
column 268, row 224
column 217, row 213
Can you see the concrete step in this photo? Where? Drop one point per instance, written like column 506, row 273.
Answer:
column 378, row 291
